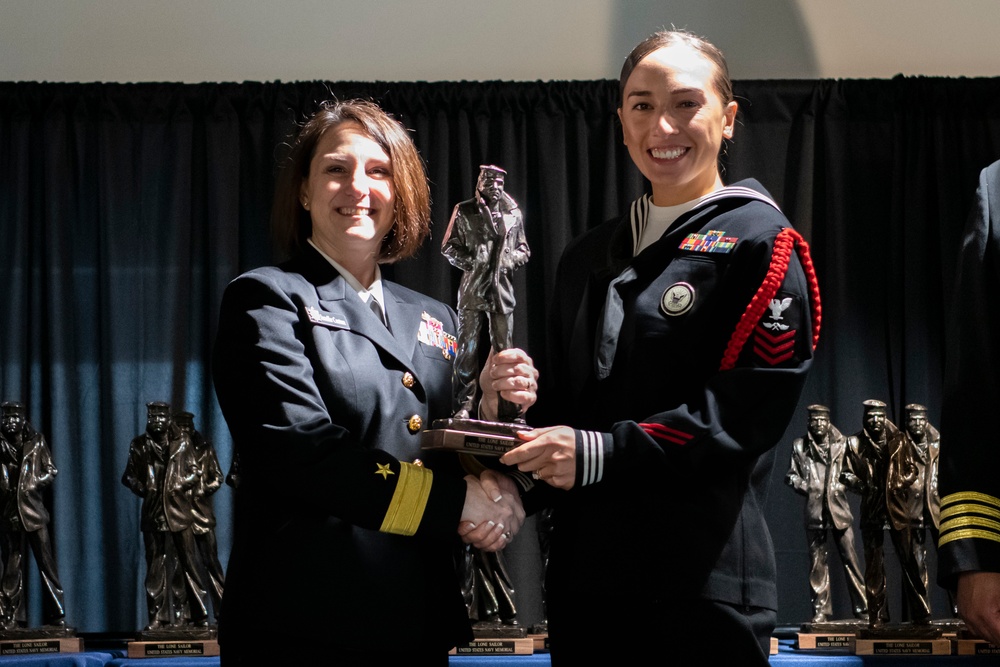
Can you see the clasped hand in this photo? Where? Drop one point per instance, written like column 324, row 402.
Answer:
column 493, row 513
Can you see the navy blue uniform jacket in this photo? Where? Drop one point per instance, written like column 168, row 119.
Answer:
column 673, row 451
column 326, row 406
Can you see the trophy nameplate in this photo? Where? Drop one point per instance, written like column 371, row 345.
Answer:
column 938, row 646
column 818, row 641
column 902, row 639
column 472, row 436
column 829, row 636
column 41, row 645
column 496, row 646
column 169, row 649
column 975, row 647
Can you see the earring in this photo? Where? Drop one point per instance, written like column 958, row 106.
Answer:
column 305, row 204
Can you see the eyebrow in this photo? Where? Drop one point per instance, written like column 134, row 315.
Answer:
column 676, row 91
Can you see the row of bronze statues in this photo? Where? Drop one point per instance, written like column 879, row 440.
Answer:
column 175, row 471
column 895, row 472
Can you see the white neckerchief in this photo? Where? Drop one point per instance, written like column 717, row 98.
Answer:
column 373, row 291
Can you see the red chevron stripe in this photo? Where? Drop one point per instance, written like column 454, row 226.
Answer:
column 774, row 349
column 775, row 338
column 775, row 359
column 666, row 433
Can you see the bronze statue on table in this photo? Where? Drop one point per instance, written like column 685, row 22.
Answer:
column 485, row 239
column 26, row 470
column 197, row 489
column 866, row 469
column 159, row 470
column 815, row 472
column 914, row 506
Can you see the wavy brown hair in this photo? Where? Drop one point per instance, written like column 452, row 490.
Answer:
column 411, row 223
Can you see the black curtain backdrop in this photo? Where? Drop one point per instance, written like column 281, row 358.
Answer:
column 126, row 208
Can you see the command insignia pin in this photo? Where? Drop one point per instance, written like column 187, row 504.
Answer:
column 677, row 299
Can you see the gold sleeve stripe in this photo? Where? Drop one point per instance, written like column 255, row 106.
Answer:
column 961, row 510
column 408, row 503
column 968, row 533
column 970, row 520
column 970, row 496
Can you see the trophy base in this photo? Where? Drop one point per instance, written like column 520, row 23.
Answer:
column 498, row 629
column 975, row 647
column 496, row 646
column 173, row 648
column 172, row 641
column 902, row 639
column 473, row 436
column 41, row 644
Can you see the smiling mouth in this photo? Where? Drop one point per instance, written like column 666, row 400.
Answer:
column 354, row 211
column 668, row 154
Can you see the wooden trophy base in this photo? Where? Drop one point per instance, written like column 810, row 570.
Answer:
column 496, row 646
column 902, row 639
column 41, row 645
column 175, row 641
column 975, row 647
column 167, row 649
column 774, row 646
column 829, row 636
column 472, row 436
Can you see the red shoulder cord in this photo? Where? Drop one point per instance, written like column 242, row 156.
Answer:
column 786, row 240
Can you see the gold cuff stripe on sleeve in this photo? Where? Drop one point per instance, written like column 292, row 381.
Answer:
column 968, row 533
column 964, row 509
column 409, row 501
column 963, row 522
column 970, row 496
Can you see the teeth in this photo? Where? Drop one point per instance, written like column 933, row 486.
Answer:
column 354, row 211
column 671, row 154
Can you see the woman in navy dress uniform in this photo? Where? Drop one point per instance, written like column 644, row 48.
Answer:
column 346, row 534
column 681, row 335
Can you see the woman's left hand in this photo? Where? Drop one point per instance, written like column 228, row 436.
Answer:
column 549, row 454
column 510, row 374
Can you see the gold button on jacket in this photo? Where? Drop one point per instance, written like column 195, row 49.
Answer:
column 415, row 423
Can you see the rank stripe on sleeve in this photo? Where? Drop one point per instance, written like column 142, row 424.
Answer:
column 590, row 449
column 969, row 515
column 409, row 501
column 662, row 432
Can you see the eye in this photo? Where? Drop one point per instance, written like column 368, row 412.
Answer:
column 641, row 106
column 381, row 171
column 688, row 104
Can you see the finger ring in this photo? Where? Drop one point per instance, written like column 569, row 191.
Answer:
column 507, row 535
column 535, row 475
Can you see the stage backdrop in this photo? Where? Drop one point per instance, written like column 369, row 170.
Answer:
column 126, row 208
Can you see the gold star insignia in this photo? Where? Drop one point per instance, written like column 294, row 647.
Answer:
column 384, row 470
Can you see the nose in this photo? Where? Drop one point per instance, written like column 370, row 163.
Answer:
column 666, row 124
column 359, row 183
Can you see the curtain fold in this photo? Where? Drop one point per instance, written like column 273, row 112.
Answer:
column 125, row 209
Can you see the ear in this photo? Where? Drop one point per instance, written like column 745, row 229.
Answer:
column 303, row 197
column 729, row 122
column 622, row 122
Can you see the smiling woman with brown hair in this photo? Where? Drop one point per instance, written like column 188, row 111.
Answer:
column 345, row 542
column 682, row 333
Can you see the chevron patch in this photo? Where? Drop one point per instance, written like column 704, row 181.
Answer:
column 773, row 348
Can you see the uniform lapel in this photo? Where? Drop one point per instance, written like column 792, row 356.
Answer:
column 339, row 305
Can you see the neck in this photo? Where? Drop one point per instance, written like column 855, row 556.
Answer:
column 679, row 194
